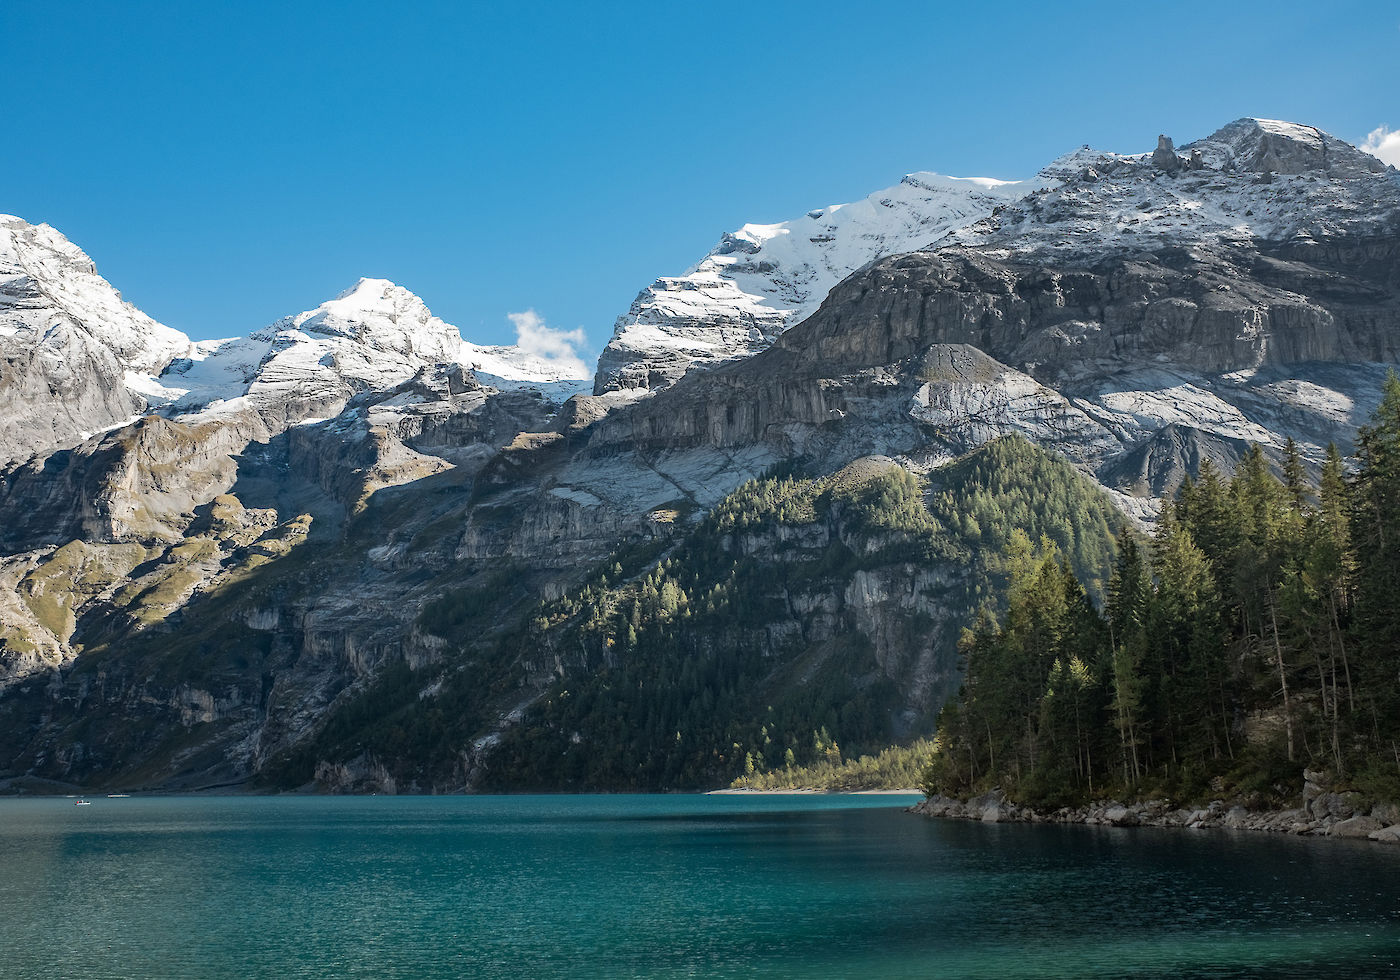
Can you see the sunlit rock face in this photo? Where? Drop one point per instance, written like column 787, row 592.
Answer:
column 74, row 358
column 762, row 279
column 1253, row 180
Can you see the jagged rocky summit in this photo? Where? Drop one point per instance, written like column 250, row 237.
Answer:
column 762, row 279
column 213, row 554
column 1253, row 180
column 76, row 358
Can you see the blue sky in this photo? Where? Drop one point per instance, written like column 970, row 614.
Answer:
column 229, row 163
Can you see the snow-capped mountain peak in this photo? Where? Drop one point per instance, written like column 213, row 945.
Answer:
column 45, row 279
column 376, row 314
column 1252, row 180
column 1279, row 147
column 374, row 335
column 78, row 359
column 760, row 280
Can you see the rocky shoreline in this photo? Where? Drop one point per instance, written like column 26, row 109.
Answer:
column 1325, row 813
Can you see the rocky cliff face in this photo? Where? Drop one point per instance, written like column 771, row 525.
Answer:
column 74, row 358
column 1253, row 180
column 762, row 279
column 1103, row 361
column 206, row 592
column 186, row 449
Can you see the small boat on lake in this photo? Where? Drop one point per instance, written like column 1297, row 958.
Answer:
column 83, row 802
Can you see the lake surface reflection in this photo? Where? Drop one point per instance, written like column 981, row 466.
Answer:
column 667, row 886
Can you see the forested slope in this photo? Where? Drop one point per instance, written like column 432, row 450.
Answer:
column 1257, row 635
column 805, row 619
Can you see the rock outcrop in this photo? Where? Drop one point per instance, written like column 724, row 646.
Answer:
column 765, row 279
column 1164, row 158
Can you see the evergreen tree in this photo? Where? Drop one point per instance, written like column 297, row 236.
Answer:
column 1185, row 641
column 1294, row 476
column 1375, row 531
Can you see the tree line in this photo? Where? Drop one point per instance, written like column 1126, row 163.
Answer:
column 1256, row 633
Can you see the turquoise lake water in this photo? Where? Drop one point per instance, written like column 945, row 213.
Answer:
column 666, row 886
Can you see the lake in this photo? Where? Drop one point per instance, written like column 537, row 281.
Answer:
column 666, row 886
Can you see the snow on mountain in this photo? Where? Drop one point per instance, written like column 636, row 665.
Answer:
column 762, row 279
column 62, row 283
column 1252, row 179
column 511, row 369
column 76, row 358
column 373, row 336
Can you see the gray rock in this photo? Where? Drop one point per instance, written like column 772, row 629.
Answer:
column 1121, row 816
column 1315, row 783
column 1335, row 806
column 1386, row 835
column 1271, row 146
column 1355, row 827
column 1164, row 158
column 996, row 813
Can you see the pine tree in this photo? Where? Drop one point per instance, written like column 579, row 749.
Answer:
column 1212, row 520
column 1294, row 477
column 1185, row 640
column 1375, row 530
column 1129, row 600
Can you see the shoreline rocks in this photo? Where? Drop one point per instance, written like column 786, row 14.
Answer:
column 1334, row 816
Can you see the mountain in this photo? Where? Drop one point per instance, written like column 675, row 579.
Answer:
column 373, row 336
column 337, row 553
column 1138, row 307
column 762, row 279
column 121, row 432
column 76, row 358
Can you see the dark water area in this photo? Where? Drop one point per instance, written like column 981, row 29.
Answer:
column 667, row 886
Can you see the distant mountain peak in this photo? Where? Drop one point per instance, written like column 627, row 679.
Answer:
column 763, row 279
column 378, row 315
column 1280, row 147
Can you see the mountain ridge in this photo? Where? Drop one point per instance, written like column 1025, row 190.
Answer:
column 757, row 283
column 80, row 360
column 251, row 573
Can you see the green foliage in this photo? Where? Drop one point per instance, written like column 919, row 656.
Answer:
column 896, row 767
column 1259, row 638
column 685, row 685
column 1010, row 485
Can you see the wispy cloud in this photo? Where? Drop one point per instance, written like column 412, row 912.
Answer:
column 1384, row 142
column 561, row 347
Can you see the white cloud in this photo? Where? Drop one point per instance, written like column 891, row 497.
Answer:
column 534, row 336
column 1384, row 143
